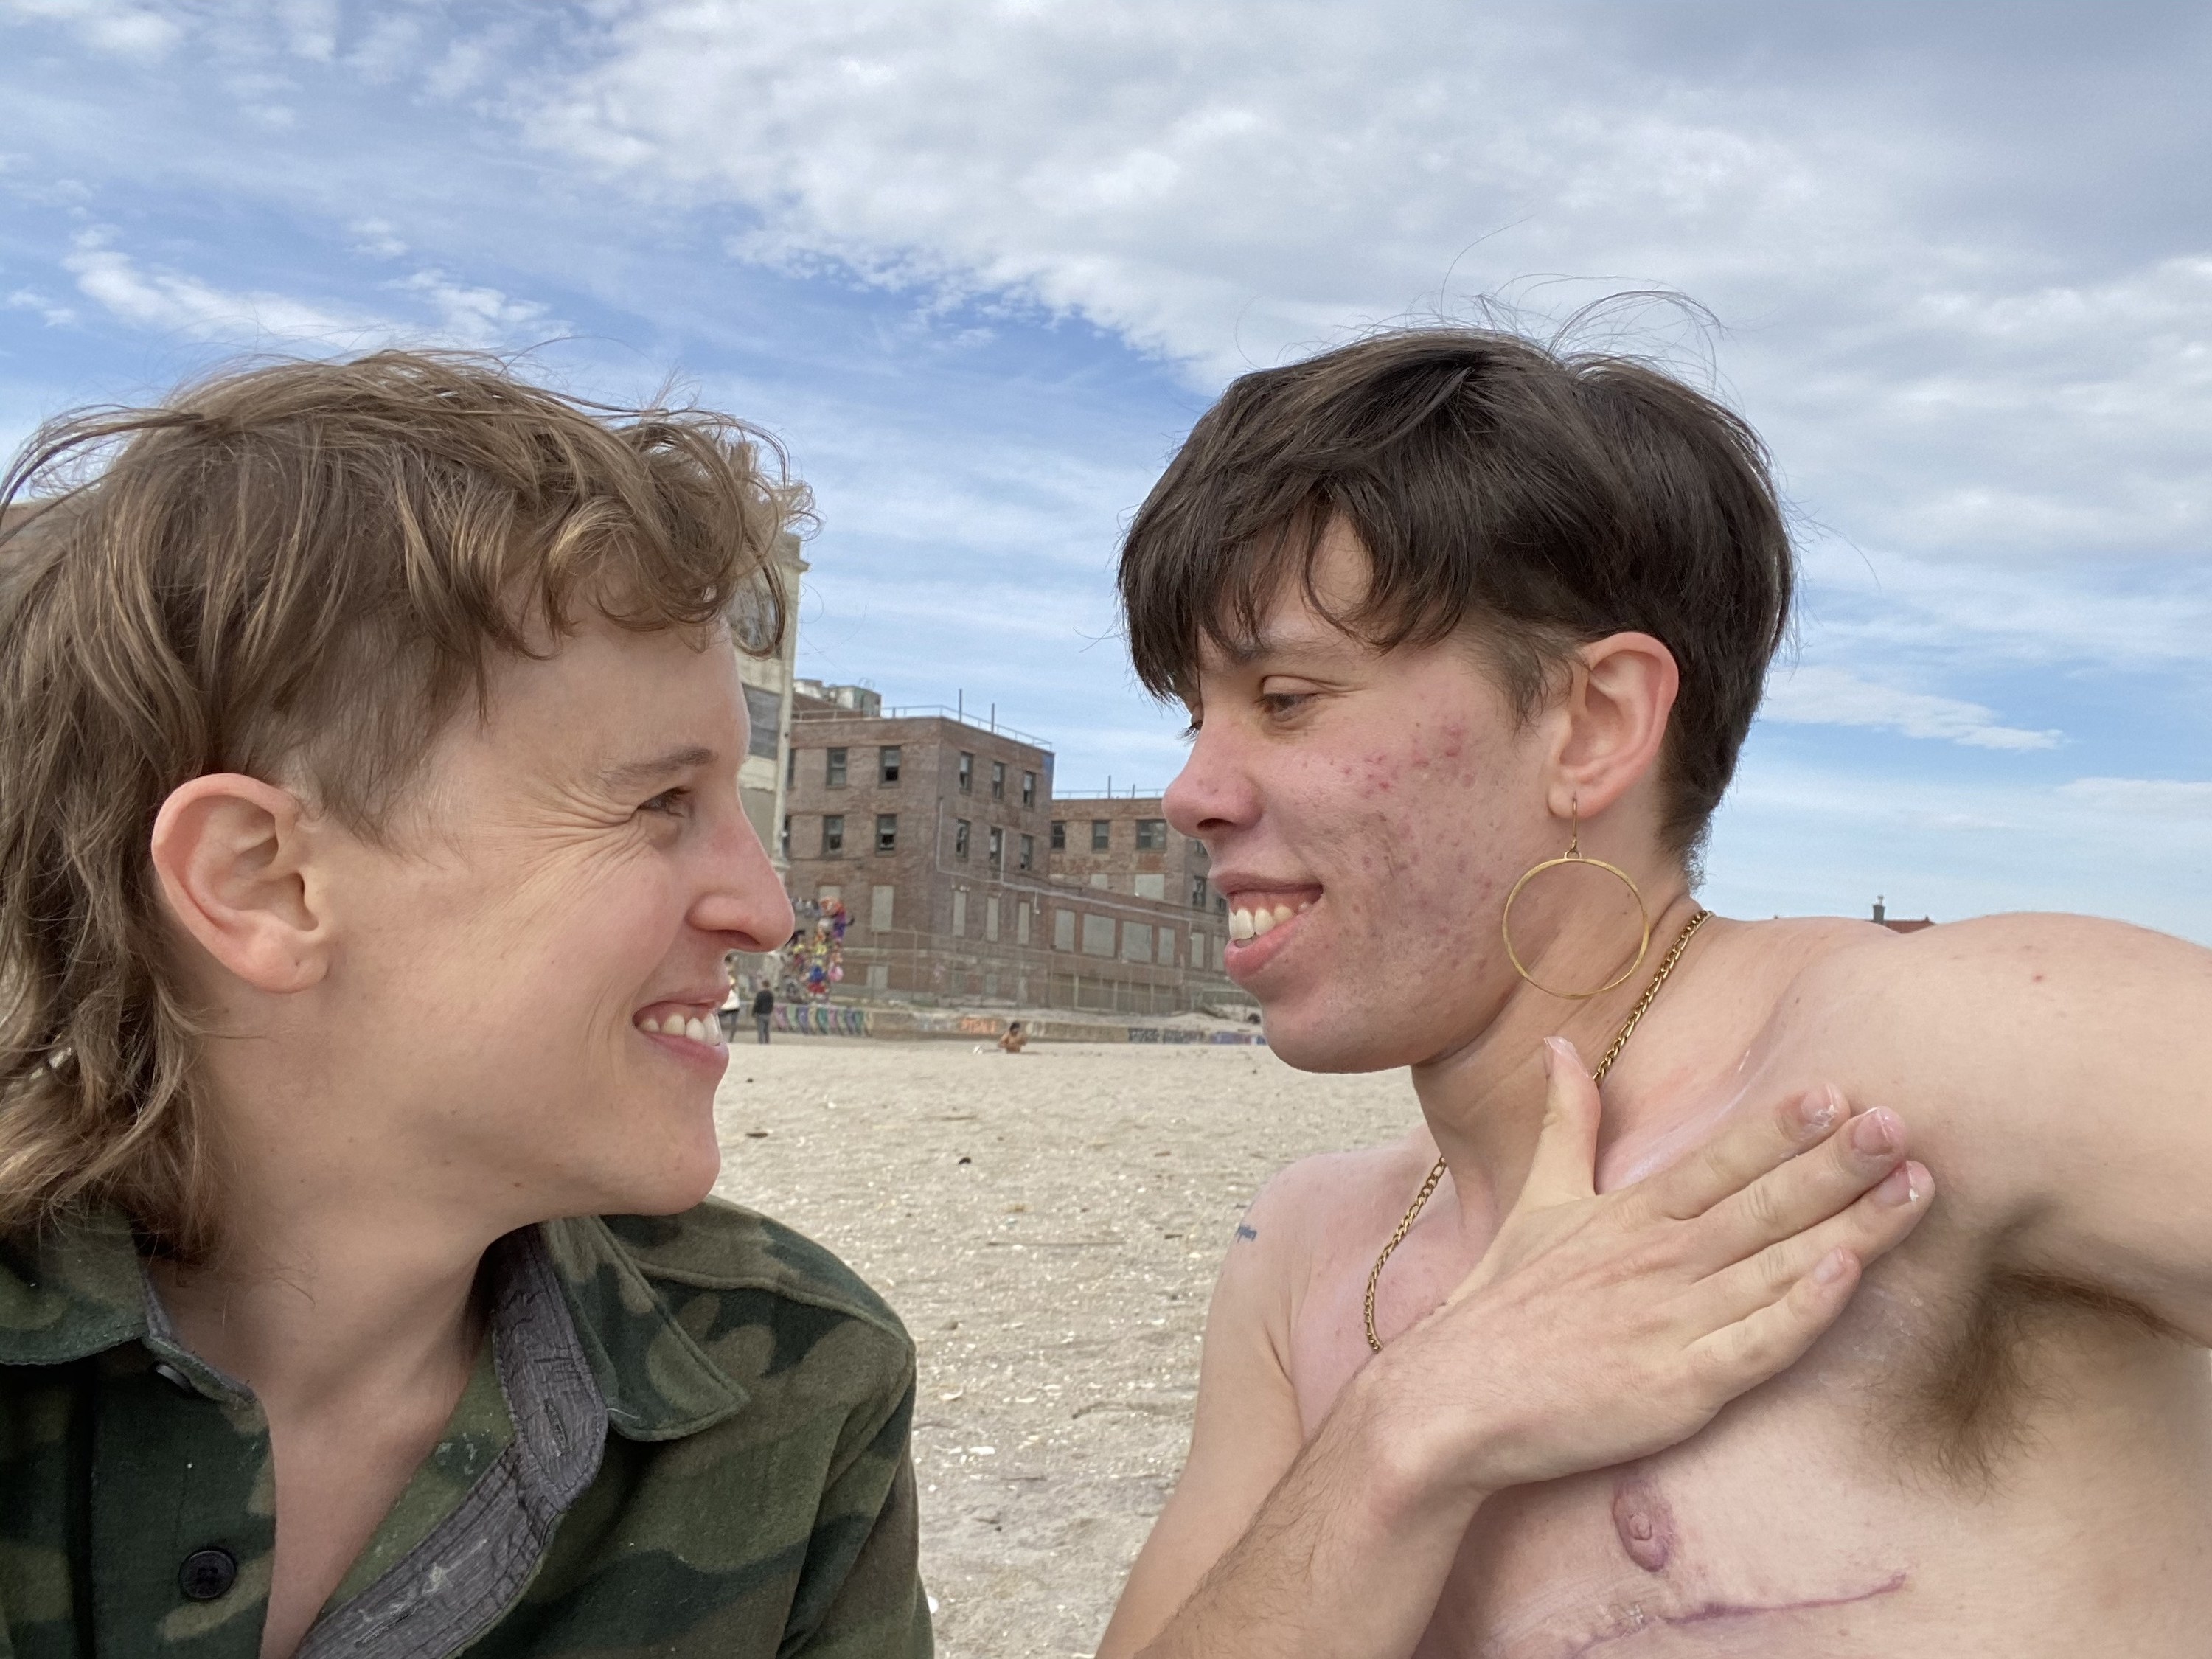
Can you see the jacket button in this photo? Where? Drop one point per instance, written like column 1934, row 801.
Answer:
column 207, row 1574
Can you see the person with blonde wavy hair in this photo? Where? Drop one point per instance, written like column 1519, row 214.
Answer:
column 369, row 848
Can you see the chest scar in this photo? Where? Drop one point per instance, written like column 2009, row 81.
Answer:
column 1637, row 1620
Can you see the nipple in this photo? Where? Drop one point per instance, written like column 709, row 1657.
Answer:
column 1643, row 1521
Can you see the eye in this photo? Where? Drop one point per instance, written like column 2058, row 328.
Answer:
column 1281, row 705
column 669, row 803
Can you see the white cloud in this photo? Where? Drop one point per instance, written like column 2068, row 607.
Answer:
column 1225, row 185
column 1817, row 696
column 24, row 299
column 126, row 30
column 171, row 302
column 477, row 316
column 2144, row 797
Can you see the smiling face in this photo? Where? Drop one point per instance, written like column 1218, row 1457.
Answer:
column 1366, row 813
column 532, row 976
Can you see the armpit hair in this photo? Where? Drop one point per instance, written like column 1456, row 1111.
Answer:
column 1975, row 1408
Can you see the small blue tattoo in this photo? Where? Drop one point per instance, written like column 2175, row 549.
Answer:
column 1243, row 1231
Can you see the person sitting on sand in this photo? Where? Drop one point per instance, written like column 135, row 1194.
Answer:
column 1471, row 634
column 369, row 848
column 1012, row 1040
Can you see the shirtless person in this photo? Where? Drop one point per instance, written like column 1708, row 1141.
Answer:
column 1445, row 608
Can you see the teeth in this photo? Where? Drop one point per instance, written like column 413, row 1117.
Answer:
column 1304, row 905
column 1263, row 922
column 1283, row 914
column 1240, row 925
column 695, row 1030
column 649, row 1024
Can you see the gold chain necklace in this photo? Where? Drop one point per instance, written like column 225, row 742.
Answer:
column 1627, row 1029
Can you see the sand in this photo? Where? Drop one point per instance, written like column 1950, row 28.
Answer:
column 1049, row 1226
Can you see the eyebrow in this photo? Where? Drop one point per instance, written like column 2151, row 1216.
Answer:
column 1272, row 642
column 633, row 774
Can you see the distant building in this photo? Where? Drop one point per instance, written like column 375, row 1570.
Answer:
column 1124, row 844
column 937, row 831
column 1897, row 925
column 770, row 685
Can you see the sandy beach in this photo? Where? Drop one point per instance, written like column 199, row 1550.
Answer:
column 1049, row 1225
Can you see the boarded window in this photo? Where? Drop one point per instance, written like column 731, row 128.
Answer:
column 881, row 899
column 1136, row 942
column 1198, row 955
column 960, row 911
column 1166, row 947
column 1022, row 922
column 1151, row 887
column 1063, row 930
column 991, row 918
column 1098, row 936
column 763, row 713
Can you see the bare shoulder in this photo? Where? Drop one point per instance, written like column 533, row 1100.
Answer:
column 1309, row 1205
column 2000, row 1040
column 2024, row 981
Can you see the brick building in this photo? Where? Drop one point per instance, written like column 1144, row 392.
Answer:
column 937, row 833
column 768, row 688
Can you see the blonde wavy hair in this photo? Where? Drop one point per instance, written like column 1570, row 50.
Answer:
column 303, row 571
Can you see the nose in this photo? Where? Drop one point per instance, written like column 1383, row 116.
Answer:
column 743, row 900
column 1211, row 796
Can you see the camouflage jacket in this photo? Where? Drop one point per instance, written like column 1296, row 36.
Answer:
column 754, row 1498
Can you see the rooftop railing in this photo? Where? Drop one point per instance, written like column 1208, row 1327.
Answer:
column 990, row 723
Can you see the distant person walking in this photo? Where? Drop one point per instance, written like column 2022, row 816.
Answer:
column 763, row 1006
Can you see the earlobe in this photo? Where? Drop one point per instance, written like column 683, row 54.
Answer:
column 228, row 852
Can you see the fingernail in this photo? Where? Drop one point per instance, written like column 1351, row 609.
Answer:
column 1831, row 1268
column 1874, row 1133
column 1557, row 1048
column 1817, row 1111
column 1896, row 1188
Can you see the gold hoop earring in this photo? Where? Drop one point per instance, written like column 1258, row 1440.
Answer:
column 1574, row 855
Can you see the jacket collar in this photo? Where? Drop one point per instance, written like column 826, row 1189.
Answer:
column 658, row 1382
column 81, row 1290
column 71, row 1293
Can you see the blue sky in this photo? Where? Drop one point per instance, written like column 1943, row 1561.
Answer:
column 980, row 265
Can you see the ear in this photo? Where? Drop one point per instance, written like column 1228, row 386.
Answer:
column 229, row 853
column 1623, row 688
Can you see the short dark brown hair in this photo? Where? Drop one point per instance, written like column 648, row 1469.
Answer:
column 1536, row 499
column 300, row 572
